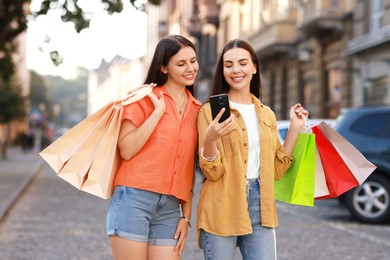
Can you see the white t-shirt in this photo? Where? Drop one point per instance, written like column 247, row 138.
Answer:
column 248, row 113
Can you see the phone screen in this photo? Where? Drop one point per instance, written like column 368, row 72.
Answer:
column 217, row 102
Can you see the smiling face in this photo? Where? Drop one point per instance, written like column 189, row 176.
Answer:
column 238, row 69
column 182, row 67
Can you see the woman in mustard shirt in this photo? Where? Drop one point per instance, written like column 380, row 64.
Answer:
column 240, row 158
column 158, row 144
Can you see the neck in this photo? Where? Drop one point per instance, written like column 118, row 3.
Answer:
column 175, row 90
column 239, row 97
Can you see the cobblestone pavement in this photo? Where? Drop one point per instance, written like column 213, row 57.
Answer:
column 53, row 220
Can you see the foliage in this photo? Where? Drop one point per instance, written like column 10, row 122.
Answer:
column 13, row 21
column 39, row 94
column 70, row 96
column 75, row 14
column 12, row 103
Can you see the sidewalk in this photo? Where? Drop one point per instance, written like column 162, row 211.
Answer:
column 16, row 172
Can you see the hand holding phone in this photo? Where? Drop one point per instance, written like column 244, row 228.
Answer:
column 217, row 102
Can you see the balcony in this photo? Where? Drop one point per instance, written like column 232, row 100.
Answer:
column 319, row 16
column 369, row 40
column 278, row 37
column 209, row 11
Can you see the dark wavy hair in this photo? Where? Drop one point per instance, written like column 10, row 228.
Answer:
column 220, row 85
column 165, row 49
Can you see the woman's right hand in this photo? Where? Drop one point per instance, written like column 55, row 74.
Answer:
column 216, row 130
column 158, row 102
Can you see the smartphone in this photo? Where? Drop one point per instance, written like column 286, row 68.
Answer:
column 217, row 102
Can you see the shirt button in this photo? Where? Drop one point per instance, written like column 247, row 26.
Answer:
column 244, row 161
column 245, row 144
column 243, row 129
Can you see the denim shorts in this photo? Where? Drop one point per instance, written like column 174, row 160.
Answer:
column 259, row 245
column 143, row 216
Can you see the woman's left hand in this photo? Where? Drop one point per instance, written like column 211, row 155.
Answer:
column 181, row 235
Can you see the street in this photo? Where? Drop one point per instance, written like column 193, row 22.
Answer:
column 53, row 220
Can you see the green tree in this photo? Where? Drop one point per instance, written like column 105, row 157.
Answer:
column 14, row 16
column 12, row 106
column 39, row 94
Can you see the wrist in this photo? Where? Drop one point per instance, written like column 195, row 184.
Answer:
column 187, row 220
column 209, row 158
column 158, row 112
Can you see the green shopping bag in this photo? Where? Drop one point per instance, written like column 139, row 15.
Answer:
column 297, row 186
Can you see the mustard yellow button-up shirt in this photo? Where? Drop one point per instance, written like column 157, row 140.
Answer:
column 222, row 208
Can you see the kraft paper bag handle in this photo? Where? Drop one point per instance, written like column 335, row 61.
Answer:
column 137, row 94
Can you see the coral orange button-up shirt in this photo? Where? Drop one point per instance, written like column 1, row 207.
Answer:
column 166, row 162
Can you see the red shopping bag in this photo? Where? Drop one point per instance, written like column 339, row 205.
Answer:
column 339, row 178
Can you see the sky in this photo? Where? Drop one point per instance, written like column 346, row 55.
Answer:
column 121, row 34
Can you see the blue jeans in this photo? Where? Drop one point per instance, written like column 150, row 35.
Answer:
column 260, row 245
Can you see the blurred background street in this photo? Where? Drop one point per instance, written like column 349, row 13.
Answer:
column 61, row 61
column 50, row 219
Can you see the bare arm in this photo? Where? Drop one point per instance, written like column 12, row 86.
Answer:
column 137, row 137
column 182, row 226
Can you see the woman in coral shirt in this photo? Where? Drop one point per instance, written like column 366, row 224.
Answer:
column 149, row 214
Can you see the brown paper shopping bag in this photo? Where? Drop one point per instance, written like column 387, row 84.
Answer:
column 88, row 152
column 59, row 152
column 101, row 175
column 76, row 168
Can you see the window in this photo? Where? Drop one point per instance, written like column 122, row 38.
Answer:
column 377, row 92
column 376, row 15
column 375, row 125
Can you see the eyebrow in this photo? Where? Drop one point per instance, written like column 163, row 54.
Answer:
column 245, row 59
column 185, row 60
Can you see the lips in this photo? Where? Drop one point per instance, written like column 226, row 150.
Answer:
column 189, row 76
column 237, row 79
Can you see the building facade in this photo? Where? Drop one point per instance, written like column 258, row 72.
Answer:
column 113, row 80
column 369, row 50
column 325, row 54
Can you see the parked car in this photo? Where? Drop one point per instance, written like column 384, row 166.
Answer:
column 368, row 129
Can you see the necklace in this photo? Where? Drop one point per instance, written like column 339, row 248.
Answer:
column 180, row 105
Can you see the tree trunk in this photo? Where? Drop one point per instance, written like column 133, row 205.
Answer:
column 5, row 141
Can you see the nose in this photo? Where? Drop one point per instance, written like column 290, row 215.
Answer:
column 235, row 68
column 189, row 67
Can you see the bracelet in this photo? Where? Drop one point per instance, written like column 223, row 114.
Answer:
column 209, row 159
column 187, row 220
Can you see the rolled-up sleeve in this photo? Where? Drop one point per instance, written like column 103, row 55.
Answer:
column 282, row 161
column 211, row 170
